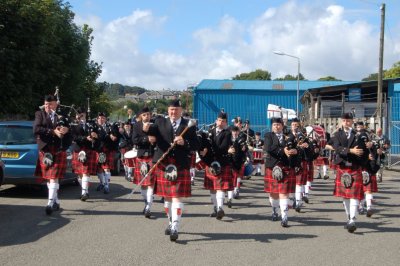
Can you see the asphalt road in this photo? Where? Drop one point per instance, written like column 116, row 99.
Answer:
column 111, row 230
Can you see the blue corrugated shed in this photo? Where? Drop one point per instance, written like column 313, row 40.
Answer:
column 394, row 118
column 248, row 98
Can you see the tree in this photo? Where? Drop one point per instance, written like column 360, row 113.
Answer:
column 290, row 77
column 393, row 72
column 373, row 76
column 40, row 48
column 259, row 74
column 329, row 78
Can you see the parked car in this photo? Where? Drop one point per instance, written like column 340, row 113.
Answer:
column 19, row 152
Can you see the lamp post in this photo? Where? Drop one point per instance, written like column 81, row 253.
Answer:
column 298, row 78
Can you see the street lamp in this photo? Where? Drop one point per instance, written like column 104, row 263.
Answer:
column 298, row 78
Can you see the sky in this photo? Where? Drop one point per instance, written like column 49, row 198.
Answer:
column 173, row 44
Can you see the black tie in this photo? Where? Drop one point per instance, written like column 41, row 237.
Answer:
column 174, row 126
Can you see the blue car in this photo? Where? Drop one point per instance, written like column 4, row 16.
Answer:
column 19, row 152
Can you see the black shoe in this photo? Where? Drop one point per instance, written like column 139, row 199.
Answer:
column 84, row 196
column 220, row 214
column 49, row 210
column 369, row 212
column 361, row 211
column 305, row 199
column 167, row 231
column 214, row 213
column 229, row 204
column 351, row 227
column 192, row 182
column 298, row 208
column 326, row 177
column 56, row 206
column 236, row 194
column 318, row 176
column 147, row 213
column 106, row 189
column 284, row 223
column 275, row 217
column 100, row 187
column 173, row 235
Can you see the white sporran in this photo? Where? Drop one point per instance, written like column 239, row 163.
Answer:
column 48, row 159
column 277, row 173
column 82, row 156
column 102, row 157
column 347, row 180
column 171, row 173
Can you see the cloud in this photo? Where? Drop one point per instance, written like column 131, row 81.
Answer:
column 326, row 42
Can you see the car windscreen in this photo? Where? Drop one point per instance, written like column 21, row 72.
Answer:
column 16, row 135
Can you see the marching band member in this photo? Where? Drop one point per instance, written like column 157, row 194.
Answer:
column 348, row 184
column 322, row 162
column 84, row 158
column 280, row 178
column 258, row 143
column 109, row 137
column 218, row 175
column 53, row 139
column 126, row 145
column 172, row 174
column 238, row 157
column 144, row 158
column 384, row 146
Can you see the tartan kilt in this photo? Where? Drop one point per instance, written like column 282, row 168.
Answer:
column 356, row 191
column 310, row 172
column 59, row 167
column 193, row 160
column 236, row 174
column 150, row 180
column 285, row 186
column 224, row 181
column 109, row 164
column 371, row 186
column 89, row 166
column 301, row 177
column 182, row 187
column 321, row 161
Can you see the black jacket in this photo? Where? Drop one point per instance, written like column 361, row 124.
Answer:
column 275, row 151
column 141, row 140
column 342, row 147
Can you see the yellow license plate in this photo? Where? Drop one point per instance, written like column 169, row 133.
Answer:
column 9, row 154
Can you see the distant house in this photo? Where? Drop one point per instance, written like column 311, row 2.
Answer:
column 167, row 94
column 132, row 97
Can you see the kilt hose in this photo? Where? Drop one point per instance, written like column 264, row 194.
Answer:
column 321, row 161
column 57, row 169
column 109, row 164
column 301, row 177
column 182, row 187
column 285, row 186
column 150, row 180
column 356, row 191
column 89, row 166
column 223, row 181
column 237, row 173
column 372, row 186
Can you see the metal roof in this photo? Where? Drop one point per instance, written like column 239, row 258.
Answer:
column 288, row 85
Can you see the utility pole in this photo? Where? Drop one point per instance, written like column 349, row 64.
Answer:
column 380, row 70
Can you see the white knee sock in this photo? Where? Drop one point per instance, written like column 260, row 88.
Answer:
column 53, row 188
column 353, row 208
column 346, row 205
column 368, row 199
column 214, row 199
column 238, row 182
column 220, row 195
column 85, row 184
column 307, row 187
column 149, row 196
column 177, row 210
column 143, row 192
column 284, row 205
column 101, row 177
column 274, row 204
column 298, row 193
column 230, row 194
column 107, row 178
column 167, row 209
column 324, row 169
column 192, row 173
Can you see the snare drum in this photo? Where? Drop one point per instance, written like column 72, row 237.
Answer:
column 258, row 155
column 130, row 158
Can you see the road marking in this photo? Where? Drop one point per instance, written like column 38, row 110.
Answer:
column 42, row 223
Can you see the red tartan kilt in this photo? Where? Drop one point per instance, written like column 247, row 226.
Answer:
column 109, row 164
column 332, row 165
column 310, row 173
column 356, row 191
column 371, row 186
column 180, row 188
column 200, row 165
column 150, row 180
column 223, row 181
column 88, row 167
column 236, row 174
column 321, row 161
column 285, row 186
column 59, row 167
column 301, row 178
column 193, row 160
